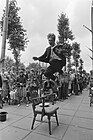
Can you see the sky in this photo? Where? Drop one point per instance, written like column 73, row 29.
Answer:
column 40, row 17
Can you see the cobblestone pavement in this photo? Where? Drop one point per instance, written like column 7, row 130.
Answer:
column 75, row 121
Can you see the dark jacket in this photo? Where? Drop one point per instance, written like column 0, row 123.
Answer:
column 0, row 81
column 21, row 81
column 46, row 56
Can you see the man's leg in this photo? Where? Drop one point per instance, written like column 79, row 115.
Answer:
column 55, row 66
column 49, row 73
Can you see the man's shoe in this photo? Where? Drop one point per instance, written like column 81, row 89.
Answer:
column 1, row 107
column 18, row 105
column 27, row 105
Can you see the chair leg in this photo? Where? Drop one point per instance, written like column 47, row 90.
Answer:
column 41, row 117
column 56, row 118
column 49, row 125
column 9, row 99
column 33, row 121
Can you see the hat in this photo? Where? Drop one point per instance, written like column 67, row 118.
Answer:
column 21, row 71
column 32, row 69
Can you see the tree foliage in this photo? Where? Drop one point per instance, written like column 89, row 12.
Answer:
column 8, row 63
column 65, row 37
column 17, row 37
column 76, row 53
column 16, row 32
column 65, row 34
column 64, row 31
column 81, row 66
column 35, row 66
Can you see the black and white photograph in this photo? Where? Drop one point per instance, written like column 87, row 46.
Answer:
column 46, row 69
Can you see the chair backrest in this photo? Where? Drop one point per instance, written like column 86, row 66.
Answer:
column 36, row 101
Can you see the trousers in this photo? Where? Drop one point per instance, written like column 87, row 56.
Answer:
column 55, row 66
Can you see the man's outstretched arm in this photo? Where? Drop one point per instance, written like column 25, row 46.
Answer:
column 42, row 58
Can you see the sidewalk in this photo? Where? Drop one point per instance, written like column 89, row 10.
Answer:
column 75, row 122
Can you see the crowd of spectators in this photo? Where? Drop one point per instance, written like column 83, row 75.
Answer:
column 29, row 83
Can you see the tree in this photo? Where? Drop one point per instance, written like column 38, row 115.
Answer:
column 63, row 29
column 17, row 37
column 81, row 62
column 8, row 63
column 81, row 66
column 65, row 36
column 76, row 54
column 35, row 66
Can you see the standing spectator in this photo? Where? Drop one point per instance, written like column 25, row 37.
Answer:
column 80, row 84
column 69, row 87
column 72, row 76
column 1, row 102
column 76, row 85
column 0, row 81
column 12, row 79
column 21, row 87
column 5, row 87
column 27, row 74
column 64, row 86
column 28, row 91
column 61, row 93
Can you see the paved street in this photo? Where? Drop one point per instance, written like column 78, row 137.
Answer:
column 75, row 122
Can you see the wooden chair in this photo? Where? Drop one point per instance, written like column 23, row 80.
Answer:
column 44, row 110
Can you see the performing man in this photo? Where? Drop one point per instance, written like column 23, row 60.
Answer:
column 54, row 56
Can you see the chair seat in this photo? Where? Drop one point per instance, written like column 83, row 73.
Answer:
column 49, row 109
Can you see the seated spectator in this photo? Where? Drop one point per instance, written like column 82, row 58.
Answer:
column 50, row 87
